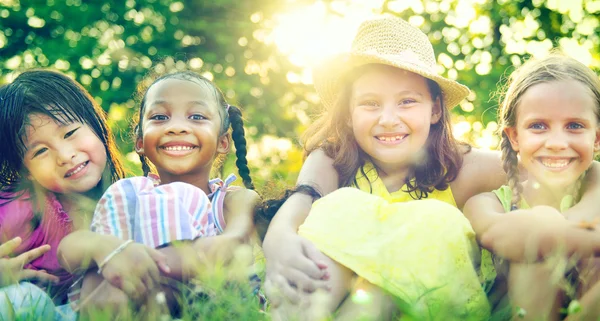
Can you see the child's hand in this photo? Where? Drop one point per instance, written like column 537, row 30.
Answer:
column 527, row 235
column 293, row 264
column 135, row 270
column 11, row 269
column 227, row 253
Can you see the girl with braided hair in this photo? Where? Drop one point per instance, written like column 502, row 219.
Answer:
column 550, row 121
column 183, row 128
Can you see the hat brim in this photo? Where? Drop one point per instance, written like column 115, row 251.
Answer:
column 327, row 76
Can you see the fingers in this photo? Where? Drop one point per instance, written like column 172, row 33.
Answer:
column 272, row 292
column 160, row 260
column 309, row 268
column 311, row 252
column 41, row 275
column 283, row 288
column 7, row 248
column 303, row 282
column 31, row 255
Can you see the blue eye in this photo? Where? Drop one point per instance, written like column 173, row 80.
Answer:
column 159, row 117
column 575, row 126
column 538, row 126
column 197, row 117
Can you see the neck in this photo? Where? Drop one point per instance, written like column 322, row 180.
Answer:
column 536, row 194
column 80, row 207
column 392, row 176
column 199, row 180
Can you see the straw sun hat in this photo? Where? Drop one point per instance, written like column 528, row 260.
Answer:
column 388, row 41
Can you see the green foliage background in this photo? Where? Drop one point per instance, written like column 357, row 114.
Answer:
column 110, row 47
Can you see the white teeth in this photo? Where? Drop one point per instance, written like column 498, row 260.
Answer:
column 390, row 139
column 178, row 148
column 555, row 163
column 77, row 170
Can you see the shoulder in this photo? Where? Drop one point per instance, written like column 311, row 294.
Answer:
column 488, row 201
column 318, row 171
column 9, row 206
column 241, row 195
column 15, row 215
column 481, row 172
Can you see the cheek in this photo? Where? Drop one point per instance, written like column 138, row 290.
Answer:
column 45, row 178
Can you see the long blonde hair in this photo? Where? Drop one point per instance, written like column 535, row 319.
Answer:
column 555, row 67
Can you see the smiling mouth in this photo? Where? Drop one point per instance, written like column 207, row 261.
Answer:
column 178, row 148
column 77, row 169
column 390, row 138
column 555, row 163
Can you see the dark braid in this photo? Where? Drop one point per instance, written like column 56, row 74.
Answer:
column 145, row 165
column 239, row 140
column 511, row 167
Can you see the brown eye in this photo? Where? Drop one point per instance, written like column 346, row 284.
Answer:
column 158, row 117
column 70, row 133
column 39, row 152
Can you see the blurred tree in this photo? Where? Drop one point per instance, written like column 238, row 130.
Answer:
column 110, row 48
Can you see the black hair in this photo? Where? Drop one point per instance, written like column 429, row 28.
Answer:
column 63, row 100
column 231, row 116
column 267, row 209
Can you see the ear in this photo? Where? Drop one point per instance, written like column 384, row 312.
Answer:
column 139, row 146
column 511, row 132
column 436, row 111
column 597, row 141
column 224, row 143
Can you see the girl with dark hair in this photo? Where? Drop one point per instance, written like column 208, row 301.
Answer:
column 58, row 156
column 184, row 126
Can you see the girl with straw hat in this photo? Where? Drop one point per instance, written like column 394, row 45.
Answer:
column 385, row 132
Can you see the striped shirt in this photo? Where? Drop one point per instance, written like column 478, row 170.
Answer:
column 141, row 209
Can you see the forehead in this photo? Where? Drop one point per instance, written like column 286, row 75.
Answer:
column 383, row 77
column 558, row 99
column 39, row 125
column 178, row 90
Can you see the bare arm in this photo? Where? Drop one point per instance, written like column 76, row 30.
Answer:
column 483, row 211
column 294, row 263
column 481, row 172
column 135, row 270
column 586, row 210
column 239, row 208
column 529, row 234
column 317, row 171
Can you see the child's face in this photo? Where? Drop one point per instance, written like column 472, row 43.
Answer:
column 181, row 125
column 391, row 113
column 63, row 158
column 556, row 132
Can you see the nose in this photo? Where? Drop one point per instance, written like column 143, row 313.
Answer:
column 557, row 140
column 177, row 127
column 389, row 116
column 65, row 154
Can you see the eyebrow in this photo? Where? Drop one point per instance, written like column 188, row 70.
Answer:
column 33, row 144
column 192, row 102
